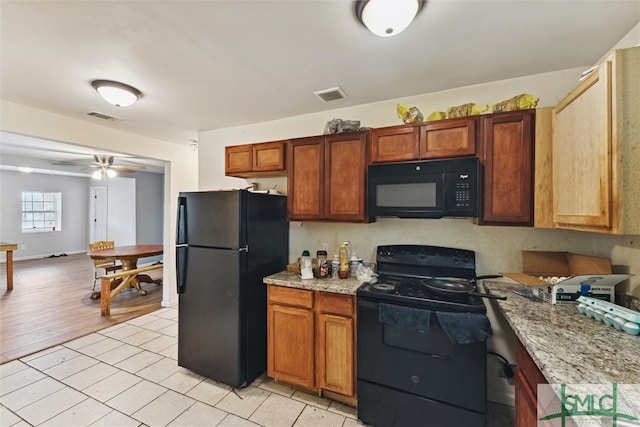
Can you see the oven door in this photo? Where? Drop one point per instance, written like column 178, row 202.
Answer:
column 423, row 366
column 405, row 191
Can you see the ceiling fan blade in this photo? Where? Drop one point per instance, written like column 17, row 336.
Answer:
column 71, row 163
column 128, row 168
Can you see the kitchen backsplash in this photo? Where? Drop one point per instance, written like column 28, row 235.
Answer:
column 498, row 249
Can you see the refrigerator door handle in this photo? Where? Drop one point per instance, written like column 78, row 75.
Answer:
column 181, row 267
column 181, row 224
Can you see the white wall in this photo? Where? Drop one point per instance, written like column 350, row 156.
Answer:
column 75, row 210
column 181, row 169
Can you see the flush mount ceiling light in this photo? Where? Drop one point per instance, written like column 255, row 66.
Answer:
column 116, row 93
column 386, row 18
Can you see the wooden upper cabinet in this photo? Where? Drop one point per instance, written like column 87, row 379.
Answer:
column 238, row 159
column 345, row 165
column 253, row 160
column 395, row 144
column 507, row 156
column 433, row 140
column 269, row 156
column 327, row 178
column 543, row 175
column 595, row 149
column 306, row 178
column 449, row 138
column 582, row 153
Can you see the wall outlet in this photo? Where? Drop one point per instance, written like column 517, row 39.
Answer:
column 22, row 246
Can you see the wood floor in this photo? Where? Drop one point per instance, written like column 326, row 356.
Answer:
column 50, row 304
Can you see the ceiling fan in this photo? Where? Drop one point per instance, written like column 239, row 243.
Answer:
column 104, row 166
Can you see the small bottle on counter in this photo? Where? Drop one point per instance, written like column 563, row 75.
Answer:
column 354, row 263
column 322, row 270
column 335, row 266
column 343, row 256
column 306, row 269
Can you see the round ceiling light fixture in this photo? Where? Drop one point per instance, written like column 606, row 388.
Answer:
column 116, row 93
column 387, row 18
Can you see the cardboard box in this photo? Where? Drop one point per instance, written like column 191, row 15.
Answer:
column 584, row 275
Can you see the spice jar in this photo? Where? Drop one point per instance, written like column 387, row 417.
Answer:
column 322, row 269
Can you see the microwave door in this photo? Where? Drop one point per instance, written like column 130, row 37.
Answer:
column 420, row 196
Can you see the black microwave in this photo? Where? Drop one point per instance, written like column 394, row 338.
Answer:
column 425, row 189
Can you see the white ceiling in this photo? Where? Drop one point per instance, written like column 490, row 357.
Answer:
column 205, row 65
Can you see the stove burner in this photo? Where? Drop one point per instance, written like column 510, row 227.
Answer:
column 402, row 268
column 384, row 287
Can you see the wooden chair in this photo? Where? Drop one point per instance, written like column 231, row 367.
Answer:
column 102, row 267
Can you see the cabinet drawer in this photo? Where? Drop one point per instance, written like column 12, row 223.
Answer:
column 335, row 303
column 290, row 296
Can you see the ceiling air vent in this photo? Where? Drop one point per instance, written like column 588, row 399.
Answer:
column 332, row 94
column 101, row 116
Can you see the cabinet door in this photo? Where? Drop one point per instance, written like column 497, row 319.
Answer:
column 395, row 144
column 238, row 159
column 582, row 153
column 305, row 178
column 448, row 138
column 508, row 177
column 525, row 402
column 345, row 165
column 290, row 336
column 269, row 156
column 334, row 354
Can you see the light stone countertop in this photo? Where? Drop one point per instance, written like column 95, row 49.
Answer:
column 292, row 280
column 569, row 347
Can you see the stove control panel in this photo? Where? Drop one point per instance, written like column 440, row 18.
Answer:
column 423, row 256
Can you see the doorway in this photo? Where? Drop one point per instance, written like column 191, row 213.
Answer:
column 98, row 214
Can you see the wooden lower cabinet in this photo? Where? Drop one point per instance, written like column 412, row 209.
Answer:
column 311, row 340
column 528, row 376
column 290, row 350
column 335, row 344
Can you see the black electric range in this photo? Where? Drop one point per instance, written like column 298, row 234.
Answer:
column 411, row 370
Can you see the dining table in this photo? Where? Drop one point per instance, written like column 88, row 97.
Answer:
column 128, row 257
column 9, row 248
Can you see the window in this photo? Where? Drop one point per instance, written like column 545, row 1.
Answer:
column 41, row 211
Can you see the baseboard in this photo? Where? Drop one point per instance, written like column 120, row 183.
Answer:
column 41, row 256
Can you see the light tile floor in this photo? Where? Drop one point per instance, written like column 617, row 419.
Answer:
column 128, row 375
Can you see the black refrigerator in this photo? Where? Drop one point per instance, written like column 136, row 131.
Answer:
column 227, row 241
